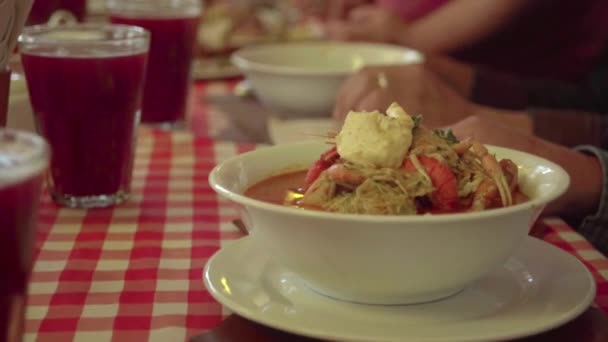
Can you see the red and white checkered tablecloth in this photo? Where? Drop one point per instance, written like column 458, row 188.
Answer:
column 134, row 273
column 207, row 119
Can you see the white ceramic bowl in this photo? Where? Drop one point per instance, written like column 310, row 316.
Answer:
column 302, row 79
column 384, row 259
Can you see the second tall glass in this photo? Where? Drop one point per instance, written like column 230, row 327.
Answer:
column 173, row 27
column 85, row 83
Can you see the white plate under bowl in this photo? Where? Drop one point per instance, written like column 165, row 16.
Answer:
column 538, row 288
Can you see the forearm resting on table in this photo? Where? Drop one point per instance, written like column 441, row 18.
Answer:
column 570, row 128
column 508, row 91
column 564, row 127
column 514, row 119
column 586, row 176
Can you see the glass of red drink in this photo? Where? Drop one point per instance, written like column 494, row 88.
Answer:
column 85, row 84
column 173, row 27
column 23, row 160
column 43, row 10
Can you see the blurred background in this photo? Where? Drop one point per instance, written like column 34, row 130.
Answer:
column 503, row 54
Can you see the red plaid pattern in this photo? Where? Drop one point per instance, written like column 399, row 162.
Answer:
column 205, row 118
column 134, row 273
column 564, row 237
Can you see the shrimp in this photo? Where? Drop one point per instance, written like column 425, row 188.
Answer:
column 320, row 191
column 511, row 173
column 462, row 146
column 485, row 196
column 427, row 143
column 326, row 160
column 489, row 163
column 445, row 196
column 340, row 174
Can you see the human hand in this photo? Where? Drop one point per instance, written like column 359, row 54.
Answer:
column 367, row 23
column 585, row 172
column 485, row 128
column 417, row 89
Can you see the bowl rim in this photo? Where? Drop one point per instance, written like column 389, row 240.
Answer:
column 537, row 203
column 243, row 62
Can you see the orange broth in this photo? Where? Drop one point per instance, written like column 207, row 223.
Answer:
column 274, row 189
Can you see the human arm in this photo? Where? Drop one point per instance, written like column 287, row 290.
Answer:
column 564, row 127
column 419, row 90
column 594, row 226
column 569, row 114
column 459, row 24
column 492, row 88
column 440, row 89
column 585, row 203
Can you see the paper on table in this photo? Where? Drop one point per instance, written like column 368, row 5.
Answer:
column 13, row 14
column 296, row 130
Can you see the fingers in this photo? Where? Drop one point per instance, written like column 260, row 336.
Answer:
column 375, row 88
column 377, row 100
column 494, row 127
column 354, row 90
column 489, row 130
column 466, row 128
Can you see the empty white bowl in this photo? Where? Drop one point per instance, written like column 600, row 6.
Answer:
column 302, row 79
column 384, row 259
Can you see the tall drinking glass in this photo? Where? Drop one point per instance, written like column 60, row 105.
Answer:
column 173, row 27
column 85, row 83
column 23, row 160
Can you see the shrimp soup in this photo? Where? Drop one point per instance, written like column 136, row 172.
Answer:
column 275, row 189
column 289, row 188
column 390, row 164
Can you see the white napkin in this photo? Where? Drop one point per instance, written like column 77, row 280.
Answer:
column 13, row 14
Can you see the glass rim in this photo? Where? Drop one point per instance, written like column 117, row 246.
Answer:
column 35, row 34
column 34, row 164
column 160, row 7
